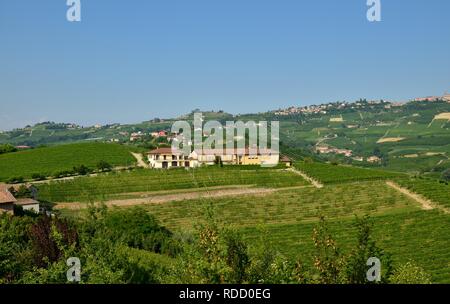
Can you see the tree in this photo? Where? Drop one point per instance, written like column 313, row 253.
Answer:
column 446, row 175
column 104, row 166
column 82, row 170
column 7, row 148
column 328, row 260
column 356, row 268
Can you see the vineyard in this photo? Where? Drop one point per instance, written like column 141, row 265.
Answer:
column 329, row 174
column 286, row 219
column 48, row 160
column 289, row 206
column 105, row 186
column 433, row 190
column 418, row 236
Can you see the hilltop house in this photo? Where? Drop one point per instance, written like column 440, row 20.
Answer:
column 8, row 201
column 168, row 158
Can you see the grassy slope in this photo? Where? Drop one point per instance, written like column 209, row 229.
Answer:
column 48, row 160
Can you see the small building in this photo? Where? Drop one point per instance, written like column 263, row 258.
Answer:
column 28, row 204
column 7, row 200
column 23, row 147
column 164, row 158
column 286, row 160
column 374, row 159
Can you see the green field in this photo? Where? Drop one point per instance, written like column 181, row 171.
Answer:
column 328, row 174
column 106, row 186
column 48, row 160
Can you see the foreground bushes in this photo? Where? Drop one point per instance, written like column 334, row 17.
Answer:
column 130, row 246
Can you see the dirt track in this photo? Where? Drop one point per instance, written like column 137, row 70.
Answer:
column 180, row 196
column 308, row 178
column 426, row 204
column 160, row 199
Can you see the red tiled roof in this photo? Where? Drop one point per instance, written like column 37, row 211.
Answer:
column 5, row 195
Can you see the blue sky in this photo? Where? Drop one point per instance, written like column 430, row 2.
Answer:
column 129, row 61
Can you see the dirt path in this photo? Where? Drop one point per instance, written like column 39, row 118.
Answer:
column 177, row 196
column 308, row 178
column 140, row 161
column 426, row 204
column 160, row 199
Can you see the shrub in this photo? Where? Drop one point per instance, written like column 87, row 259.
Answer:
column 446, row 175
column 410, row 273
column 16, row 180
column 82, row 170
column 38, row 176
column 103, row 166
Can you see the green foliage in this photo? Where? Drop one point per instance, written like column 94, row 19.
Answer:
column 7, row 148
column 138, row 229
column 328, row 259
column 356, row 268
column 81, row 170
column 446, row 175
column 409, row 273
column 103, row 166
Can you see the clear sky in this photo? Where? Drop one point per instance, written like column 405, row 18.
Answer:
column 133, row 60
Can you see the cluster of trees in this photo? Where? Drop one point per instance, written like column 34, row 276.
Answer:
column 101, row 166
column 130, row 246
column 7, row 148
column 446, row 175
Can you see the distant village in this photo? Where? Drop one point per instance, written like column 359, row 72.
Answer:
column 359, row 105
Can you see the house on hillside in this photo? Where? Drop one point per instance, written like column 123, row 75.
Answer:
column 8, row 201
column 164, row 158
column 286, row 160
column 170, row 158
column 373, row 159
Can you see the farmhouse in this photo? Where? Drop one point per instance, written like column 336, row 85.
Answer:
column 8, row 201
column 373, row 159
column 169, row 158
column 28, row 204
